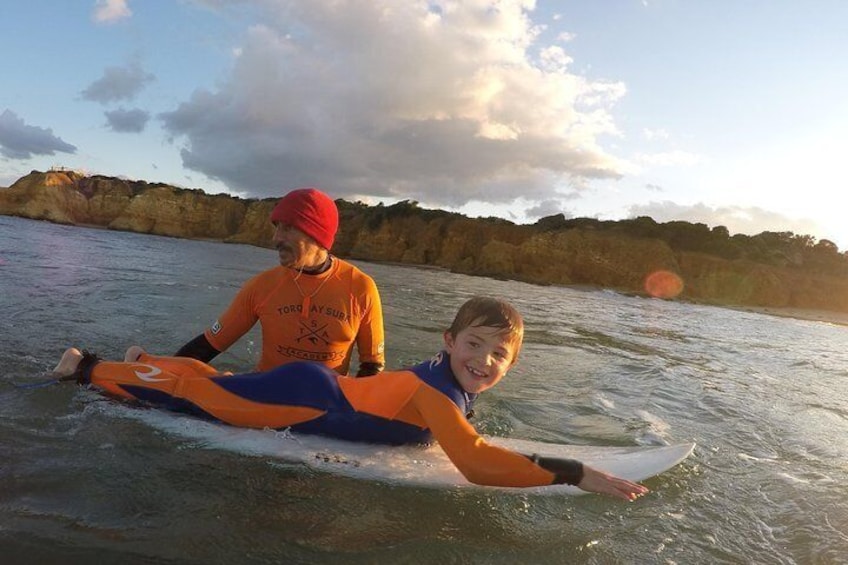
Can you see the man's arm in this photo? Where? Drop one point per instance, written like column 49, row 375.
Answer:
column 235, row 322
column 368, row 369
column 199, row 348
column 371, row 337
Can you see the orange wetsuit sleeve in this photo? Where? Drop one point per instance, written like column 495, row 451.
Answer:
column 240, row 316
column 371, row 336
column 479, row 462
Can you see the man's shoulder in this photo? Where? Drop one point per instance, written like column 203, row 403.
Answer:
column 354, row 271
column 268, row 276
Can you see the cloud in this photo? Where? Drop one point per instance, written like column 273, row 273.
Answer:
column 127, row 121
column 9, row 177
column 118, row 83
column 20, row 141
column 676, row 158
column 110, row 11
column 652, row 134
column 441, row 101
column 737, row 219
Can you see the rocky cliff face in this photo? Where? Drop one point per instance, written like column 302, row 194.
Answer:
column 403, row 233
column 70, row 198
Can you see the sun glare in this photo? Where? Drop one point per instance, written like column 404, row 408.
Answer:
column 663, row 284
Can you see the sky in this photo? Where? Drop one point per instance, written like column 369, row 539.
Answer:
column 725, row 112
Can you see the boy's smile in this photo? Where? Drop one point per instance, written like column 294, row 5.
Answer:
column 480, row 356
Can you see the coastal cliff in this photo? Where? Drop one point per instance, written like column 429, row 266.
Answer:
column 714, row 267
column 67, row 197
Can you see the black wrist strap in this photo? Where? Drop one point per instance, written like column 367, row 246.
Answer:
column 367, row 369
column 566, row 471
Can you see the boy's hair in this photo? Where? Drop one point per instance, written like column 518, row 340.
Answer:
column 493, row 313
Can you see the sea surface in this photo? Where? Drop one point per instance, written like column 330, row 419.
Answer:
column 765, row 398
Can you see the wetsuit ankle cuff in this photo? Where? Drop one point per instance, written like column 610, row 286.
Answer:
column 86, row 364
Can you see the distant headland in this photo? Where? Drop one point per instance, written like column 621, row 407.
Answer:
column 768, row 271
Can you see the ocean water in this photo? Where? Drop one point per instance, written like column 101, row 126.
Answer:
column 765, row 398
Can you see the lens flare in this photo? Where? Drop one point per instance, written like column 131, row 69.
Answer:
column 663, row 284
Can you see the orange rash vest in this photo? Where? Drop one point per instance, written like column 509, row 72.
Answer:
column 307, row 317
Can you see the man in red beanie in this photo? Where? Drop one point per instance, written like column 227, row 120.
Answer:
column 313, row 307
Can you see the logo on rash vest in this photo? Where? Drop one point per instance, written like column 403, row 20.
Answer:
column 150, row 374
column 314, row 334
column 437, row 359
column 216, row 327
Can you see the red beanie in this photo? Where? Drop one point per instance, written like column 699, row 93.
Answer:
column 312, row 212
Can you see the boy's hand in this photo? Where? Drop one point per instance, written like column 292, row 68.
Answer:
column 598, row 481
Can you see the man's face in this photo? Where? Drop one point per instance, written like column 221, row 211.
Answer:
column 296, row 249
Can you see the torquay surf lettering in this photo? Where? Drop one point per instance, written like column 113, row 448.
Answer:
column 290, row 309
column 338, row 314
column 317, row 309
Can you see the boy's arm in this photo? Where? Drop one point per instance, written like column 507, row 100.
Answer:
column 479, row 461
column 486, row 464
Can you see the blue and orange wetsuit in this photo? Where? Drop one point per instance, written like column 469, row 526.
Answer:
column 412, row 406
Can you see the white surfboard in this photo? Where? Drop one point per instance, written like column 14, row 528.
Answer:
column 410, row 465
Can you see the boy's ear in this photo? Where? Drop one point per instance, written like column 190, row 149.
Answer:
column 514, row 356
column 449, row 341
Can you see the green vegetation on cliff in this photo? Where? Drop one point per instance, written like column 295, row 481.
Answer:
column 768, row 269
column 777, row 249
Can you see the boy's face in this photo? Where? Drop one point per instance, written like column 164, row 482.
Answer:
column 480, row 356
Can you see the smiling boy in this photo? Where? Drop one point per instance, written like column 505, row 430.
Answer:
column 428, row 401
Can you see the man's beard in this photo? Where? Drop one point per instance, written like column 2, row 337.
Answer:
column 286, row 254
